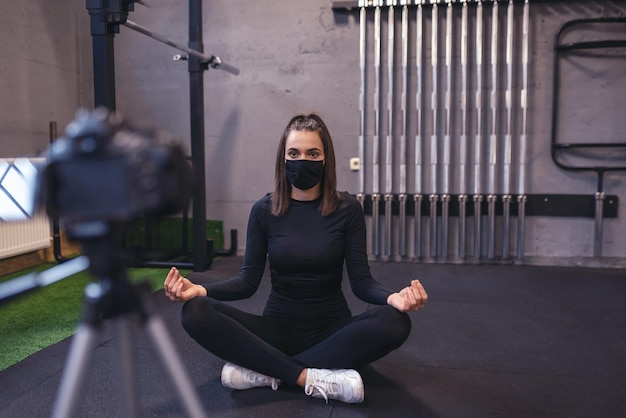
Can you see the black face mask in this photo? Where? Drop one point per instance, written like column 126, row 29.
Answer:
column 304, row 174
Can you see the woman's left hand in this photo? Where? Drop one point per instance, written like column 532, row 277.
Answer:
column 410, row 298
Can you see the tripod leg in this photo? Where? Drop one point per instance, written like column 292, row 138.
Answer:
column 82, row 344
column 75, row 371
column 125, row 383
column 175, row 367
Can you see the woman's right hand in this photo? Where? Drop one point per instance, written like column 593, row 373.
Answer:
column 179, row 289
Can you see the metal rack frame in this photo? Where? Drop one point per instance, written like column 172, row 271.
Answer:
column 558, row 148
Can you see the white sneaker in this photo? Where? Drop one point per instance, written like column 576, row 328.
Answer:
column 240, row 378
column 343, row 385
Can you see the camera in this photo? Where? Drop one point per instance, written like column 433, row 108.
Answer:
column 106, row 169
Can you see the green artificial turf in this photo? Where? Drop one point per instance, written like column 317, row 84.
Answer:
column 48, row 315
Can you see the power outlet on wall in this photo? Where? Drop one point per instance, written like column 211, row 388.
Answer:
column 355, row 164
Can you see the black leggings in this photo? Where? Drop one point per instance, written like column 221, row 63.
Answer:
column 263, row 344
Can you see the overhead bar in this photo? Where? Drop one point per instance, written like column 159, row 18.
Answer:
column 212, row 60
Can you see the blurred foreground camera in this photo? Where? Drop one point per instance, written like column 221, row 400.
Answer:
column 105, row 169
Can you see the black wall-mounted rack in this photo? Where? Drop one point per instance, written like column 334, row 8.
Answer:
column 552, row 205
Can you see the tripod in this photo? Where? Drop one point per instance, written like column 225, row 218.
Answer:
column 116, row 298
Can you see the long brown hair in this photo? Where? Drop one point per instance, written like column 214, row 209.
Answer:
column 282, row 188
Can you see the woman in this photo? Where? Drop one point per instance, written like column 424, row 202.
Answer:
column 306, row 335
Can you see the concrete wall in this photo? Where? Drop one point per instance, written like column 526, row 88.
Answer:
column 45, row 71
column 294, row 56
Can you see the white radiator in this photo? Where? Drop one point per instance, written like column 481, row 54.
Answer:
column 21, row 237
column 19, row 232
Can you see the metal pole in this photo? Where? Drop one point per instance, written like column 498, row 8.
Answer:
column 362, row 56
column 376, row 145
column 521, row 198
column 196, row 97
column 56, row 228
column 599, row 216
column 391, row 18
column 434, row 137
column 463, row 136
column 445, row 197
column 103, row 46
column 403, row 136
column 506, row 198
column 479, row 134
column 493, row 147
column 417, row 197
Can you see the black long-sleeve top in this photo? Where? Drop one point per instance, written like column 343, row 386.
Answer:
column 306, row 252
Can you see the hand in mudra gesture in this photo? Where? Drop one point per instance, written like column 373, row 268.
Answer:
column 180, row 289
column 410, row 298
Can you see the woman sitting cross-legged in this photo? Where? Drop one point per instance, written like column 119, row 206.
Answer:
column 306, row 335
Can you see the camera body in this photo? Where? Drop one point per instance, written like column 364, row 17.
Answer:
column 104, row 169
